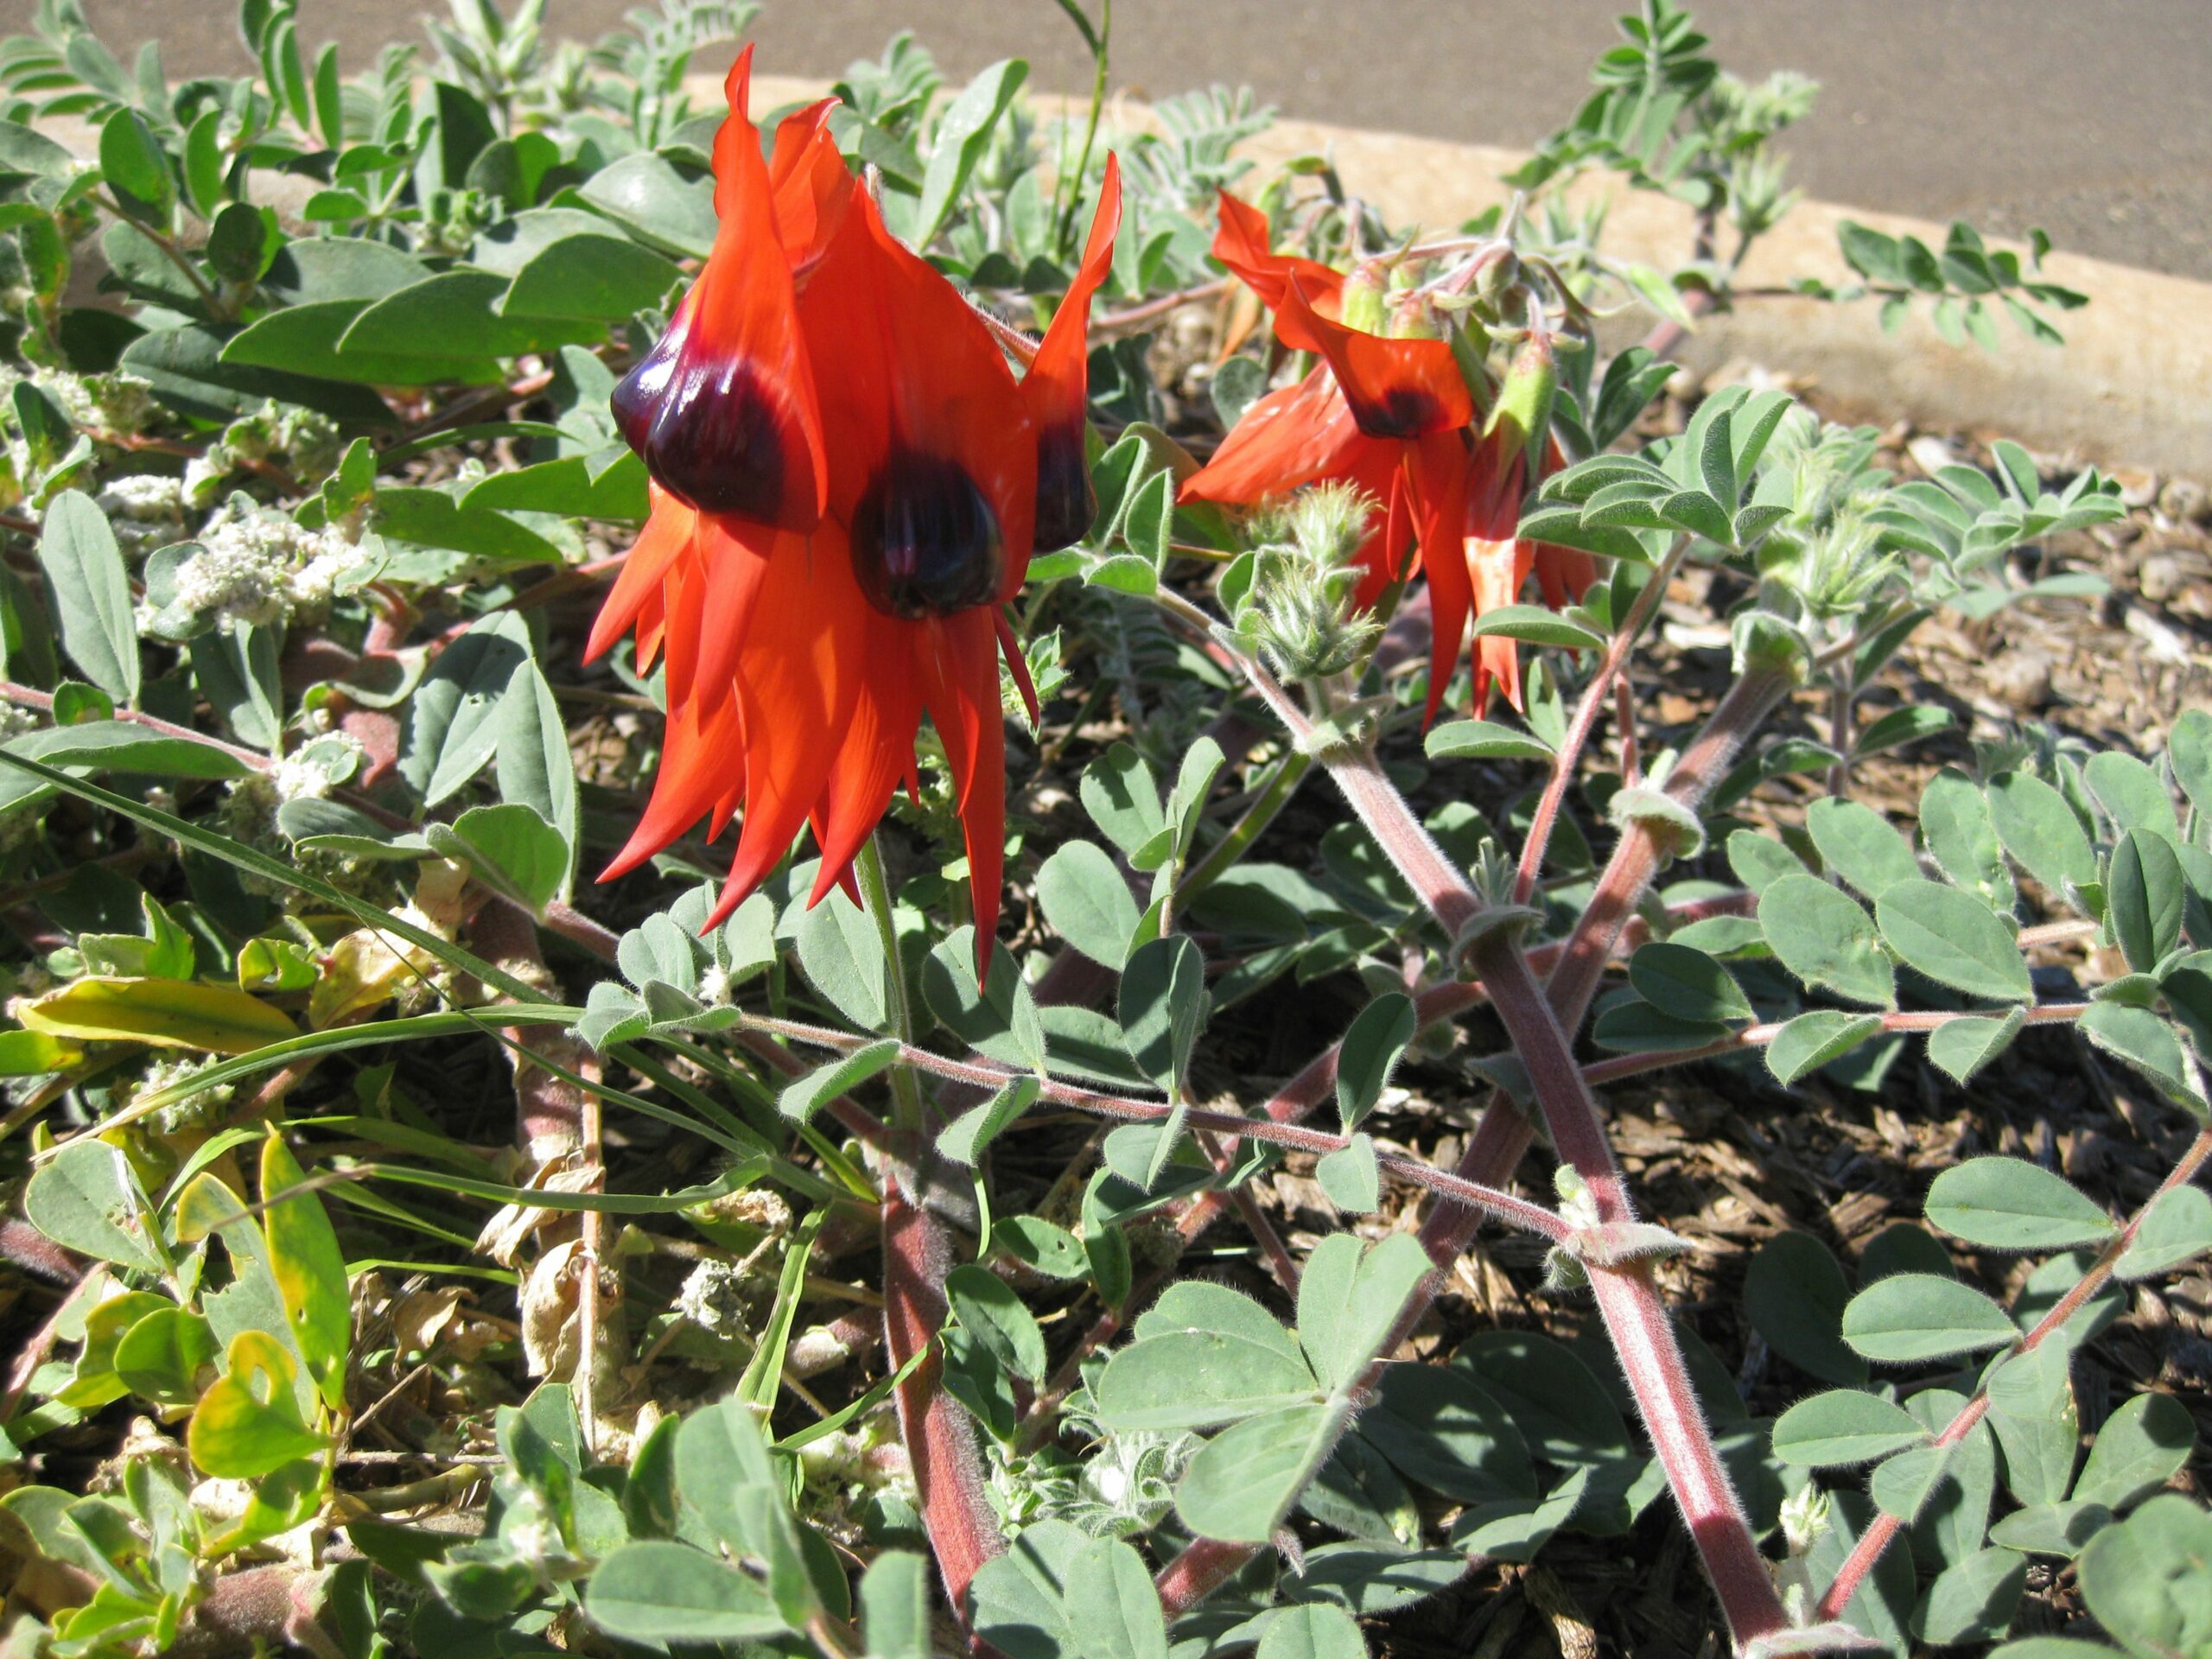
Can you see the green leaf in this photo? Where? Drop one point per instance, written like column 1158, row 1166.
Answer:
column 1122, row 1617
column 803, row 1097
column 1195, row 1379
column 1556, row 1401
column 1901, row 725
column 895, row 1606
column 1087, row 901
column 1349, row 1299
column 1826, row 940
column 2145, row 1579
column 1313, row 1629
column 961, row 135
column 1959, row 1048
column 1122, row 798
column 249, row 1423
column 2139, row 1449
column 1351, row 1176
column 2148, row 1043
column 1483, row 740
column 1686, row 984
column 235, row 668
column 1244, row 1480
column 309, row 1269
column 1955, row 938
column 965, row 1138
column 91, row 593
column 658, row 1591
column 2132, row 794
column 1537, row 626
column 2188, row 751
column 2008, row 1204
column 590, row 277
column 1438, row 1427
column 1861, row 846
column 1842, row 1428
column 1370, row 1052
column 2144, row 891
column 2040, row 831
column 1955, row 822
column 87, row 1199
column 841, row 951
column 135, row 166
column 1973, row 1599
column 1039, row 1245
column 1795, row 1293
column 162, row 1355
column 988, row 1306
column 2177, row 1227
column 999, row 1017
column 451, row 727
column 530, row 758
column 1163, row 1008
column 429, row 318
column 1811, row 1040
column 726, row 1474
column 510, row 848
column 1916, row 1316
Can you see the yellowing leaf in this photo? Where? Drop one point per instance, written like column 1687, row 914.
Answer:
column 248, row 1422
column 166, row 1013
column 311, row 1268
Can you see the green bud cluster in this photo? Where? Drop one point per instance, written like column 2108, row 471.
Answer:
column 1298, row 611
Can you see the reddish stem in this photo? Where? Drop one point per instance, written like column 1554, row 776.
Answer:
column 1586, row 719
column 1636, row 1317
column 939, row 1436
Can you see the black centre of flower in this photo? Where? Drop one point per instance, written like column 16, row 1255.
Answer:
column 1399, row 412
column 1065, row 502
column 926, row 542
column 705, row 430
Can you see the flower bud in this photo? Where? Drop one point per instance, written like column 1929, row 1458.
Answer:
column 1362, row 305
column 1523, row 413
column 1298, row 611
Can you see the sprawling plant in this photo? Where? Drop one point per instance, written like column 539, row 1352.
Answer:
column 422, row 1253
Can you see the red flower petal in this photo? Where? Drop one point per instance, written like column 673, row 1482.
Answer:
column 723, row 409
column 1397, row 388
column 1058, row 386
column 1242, row 243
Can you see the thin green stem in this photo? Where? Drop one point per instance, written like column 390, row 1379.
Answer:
column 1275, row 795
column 1100, row 39
column 875, row 898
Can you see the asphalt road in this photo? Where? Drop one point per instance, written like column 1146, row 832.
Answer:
column 2090, row 117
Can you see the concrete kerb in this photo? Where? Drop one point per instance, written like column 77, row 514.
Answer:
column 2130, row 386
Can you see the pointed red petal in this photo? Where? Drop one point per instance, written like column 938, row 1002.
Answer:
column 723, row 409
column 810, row 183
column 1436, row 488
column 1242, row 243
column 667, row 533
column 1288, row 439
column 1058, row 385
column 959, row 676
column 1397, row 388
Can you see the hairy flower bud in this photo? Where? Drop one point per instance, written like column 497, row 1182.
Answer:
column 1298, row 611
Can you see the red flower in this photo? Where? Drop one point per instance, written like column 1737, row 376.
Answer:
column 1394, row 417
column 848, row 482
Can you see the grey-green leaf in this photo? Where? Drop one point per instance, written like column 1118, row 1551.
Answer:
column 1953, row 938
column 1916, row 1316
column 1826, row 940
column 2009, row 1204
column 91, row 593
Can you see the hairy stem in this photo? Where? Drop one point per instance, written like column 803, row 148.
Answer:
column 1594, row 697
column 1636, row 1317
